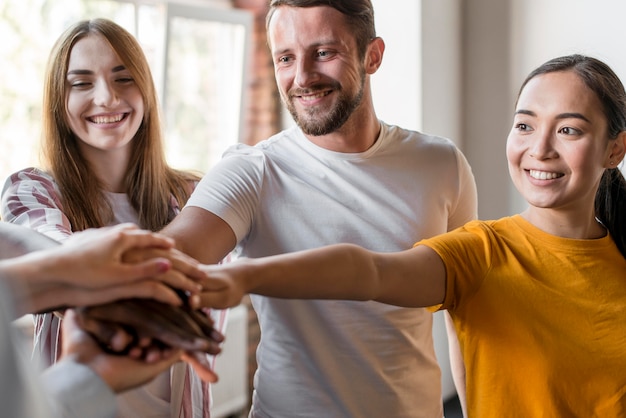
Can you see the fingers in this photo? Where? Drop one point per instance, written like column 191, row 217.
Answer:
column 183, row 273
column 145, row 289
column 123, row 373
column 185, row 264
column 126, row 236
column 163, row 270
column 219, row 289
column 118, row 371
column 218, row 300
column 144, row 360
column 121, row 237
column 160, row 324
column 116, row 339
column 76, row 340
column 112, row 337
column 137, row 238
column 201, row 366
column 124, row 253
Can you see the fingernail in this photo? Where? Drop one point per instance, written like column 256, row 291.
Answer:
column 217, row 336
column 164, row 265
column 194, row 301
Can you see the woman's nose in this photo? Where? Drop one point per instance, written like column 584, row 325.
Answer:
column 542, row 146
column 105, row 94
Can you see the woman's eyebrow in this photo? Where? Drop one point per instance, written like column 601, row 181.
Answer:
column 574, row 115
column 116, row 69
column 566, row 115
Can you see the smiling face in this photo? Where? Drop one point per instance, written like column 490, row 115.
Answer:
column 318, row 71
column 558, row 147
column 104, row 106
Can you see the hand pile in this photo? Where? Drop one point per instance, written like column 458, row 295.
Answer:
column 151, row 327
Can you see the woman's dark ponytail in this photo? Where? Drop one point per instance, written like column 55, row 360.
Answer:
column 611, row 206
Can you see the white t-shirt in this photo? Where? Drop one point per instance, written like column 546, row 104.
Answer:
column 341, row 358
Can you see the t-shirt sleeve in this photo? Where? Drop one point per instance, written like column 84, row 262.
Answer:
column 231, row 189
column 467, row 255
column 31, row 198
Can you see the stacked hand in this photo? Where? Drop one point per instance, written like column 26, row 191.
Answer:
column 101, row 265
column 133, row 280
column 158, row 310
column 147, row 329
column 119, row 372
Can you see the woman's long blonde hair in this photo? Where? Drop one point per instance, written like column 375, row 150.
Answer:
column 149, row 182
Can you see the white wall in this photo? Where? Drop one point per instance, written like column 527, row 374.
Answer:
column 505, row 40
column 418, row 87
column 396, row 86
column 543, row 29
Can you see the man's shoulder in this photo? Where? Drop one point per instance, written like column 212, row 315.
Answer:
column 282, row 145
column 396, row 133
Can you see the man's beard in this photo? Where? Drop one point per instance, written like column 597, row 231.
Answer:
column 316, row 122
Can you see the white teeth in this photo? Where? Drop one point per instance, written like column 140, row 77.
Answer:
column 107, row 119
column 543, row 175
column 314, row 96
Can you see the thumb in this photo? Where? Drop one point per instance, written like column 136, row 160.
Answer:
column 200, row 365
column 219, row 299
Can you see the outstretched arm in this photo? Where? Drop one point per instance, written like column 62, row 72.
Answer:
column 90, row 268
column 410, row 278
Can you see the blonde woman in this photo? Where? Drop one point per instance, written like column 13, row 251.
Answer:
column 104, row 164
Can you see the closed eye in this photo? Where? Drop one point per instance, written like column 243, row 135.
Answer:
column 80, row 84
column 125, row 80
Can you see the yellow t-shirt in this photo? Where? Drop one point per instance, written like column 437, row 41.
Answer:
column 541, row 320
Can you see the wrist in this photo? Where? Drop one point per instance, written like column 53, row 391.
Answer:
column 249, row 275
column 33, row 278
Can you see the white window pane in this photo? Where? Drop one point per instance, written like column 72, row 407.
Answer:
column 203, row 85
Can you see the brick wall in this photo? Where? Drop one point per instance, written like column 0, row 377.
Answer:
column 263, row 113
column 262, row 121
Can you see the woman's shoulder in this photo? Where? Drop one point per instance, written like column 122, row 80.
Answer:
column 490, row 228
column 31, row 174
column 30, row 180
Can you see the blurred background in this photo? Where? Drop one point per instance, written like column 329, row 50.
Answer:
column 451, row 68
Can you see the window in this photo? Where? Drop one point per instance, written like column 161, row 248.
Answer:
column 197, row 52
column 205, row 57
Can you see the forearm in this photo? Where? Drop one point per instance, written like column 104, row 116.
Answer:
column 23, row 270
column 34, row 281
column 17, row 240
column 340, row 271
column 411, row 278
